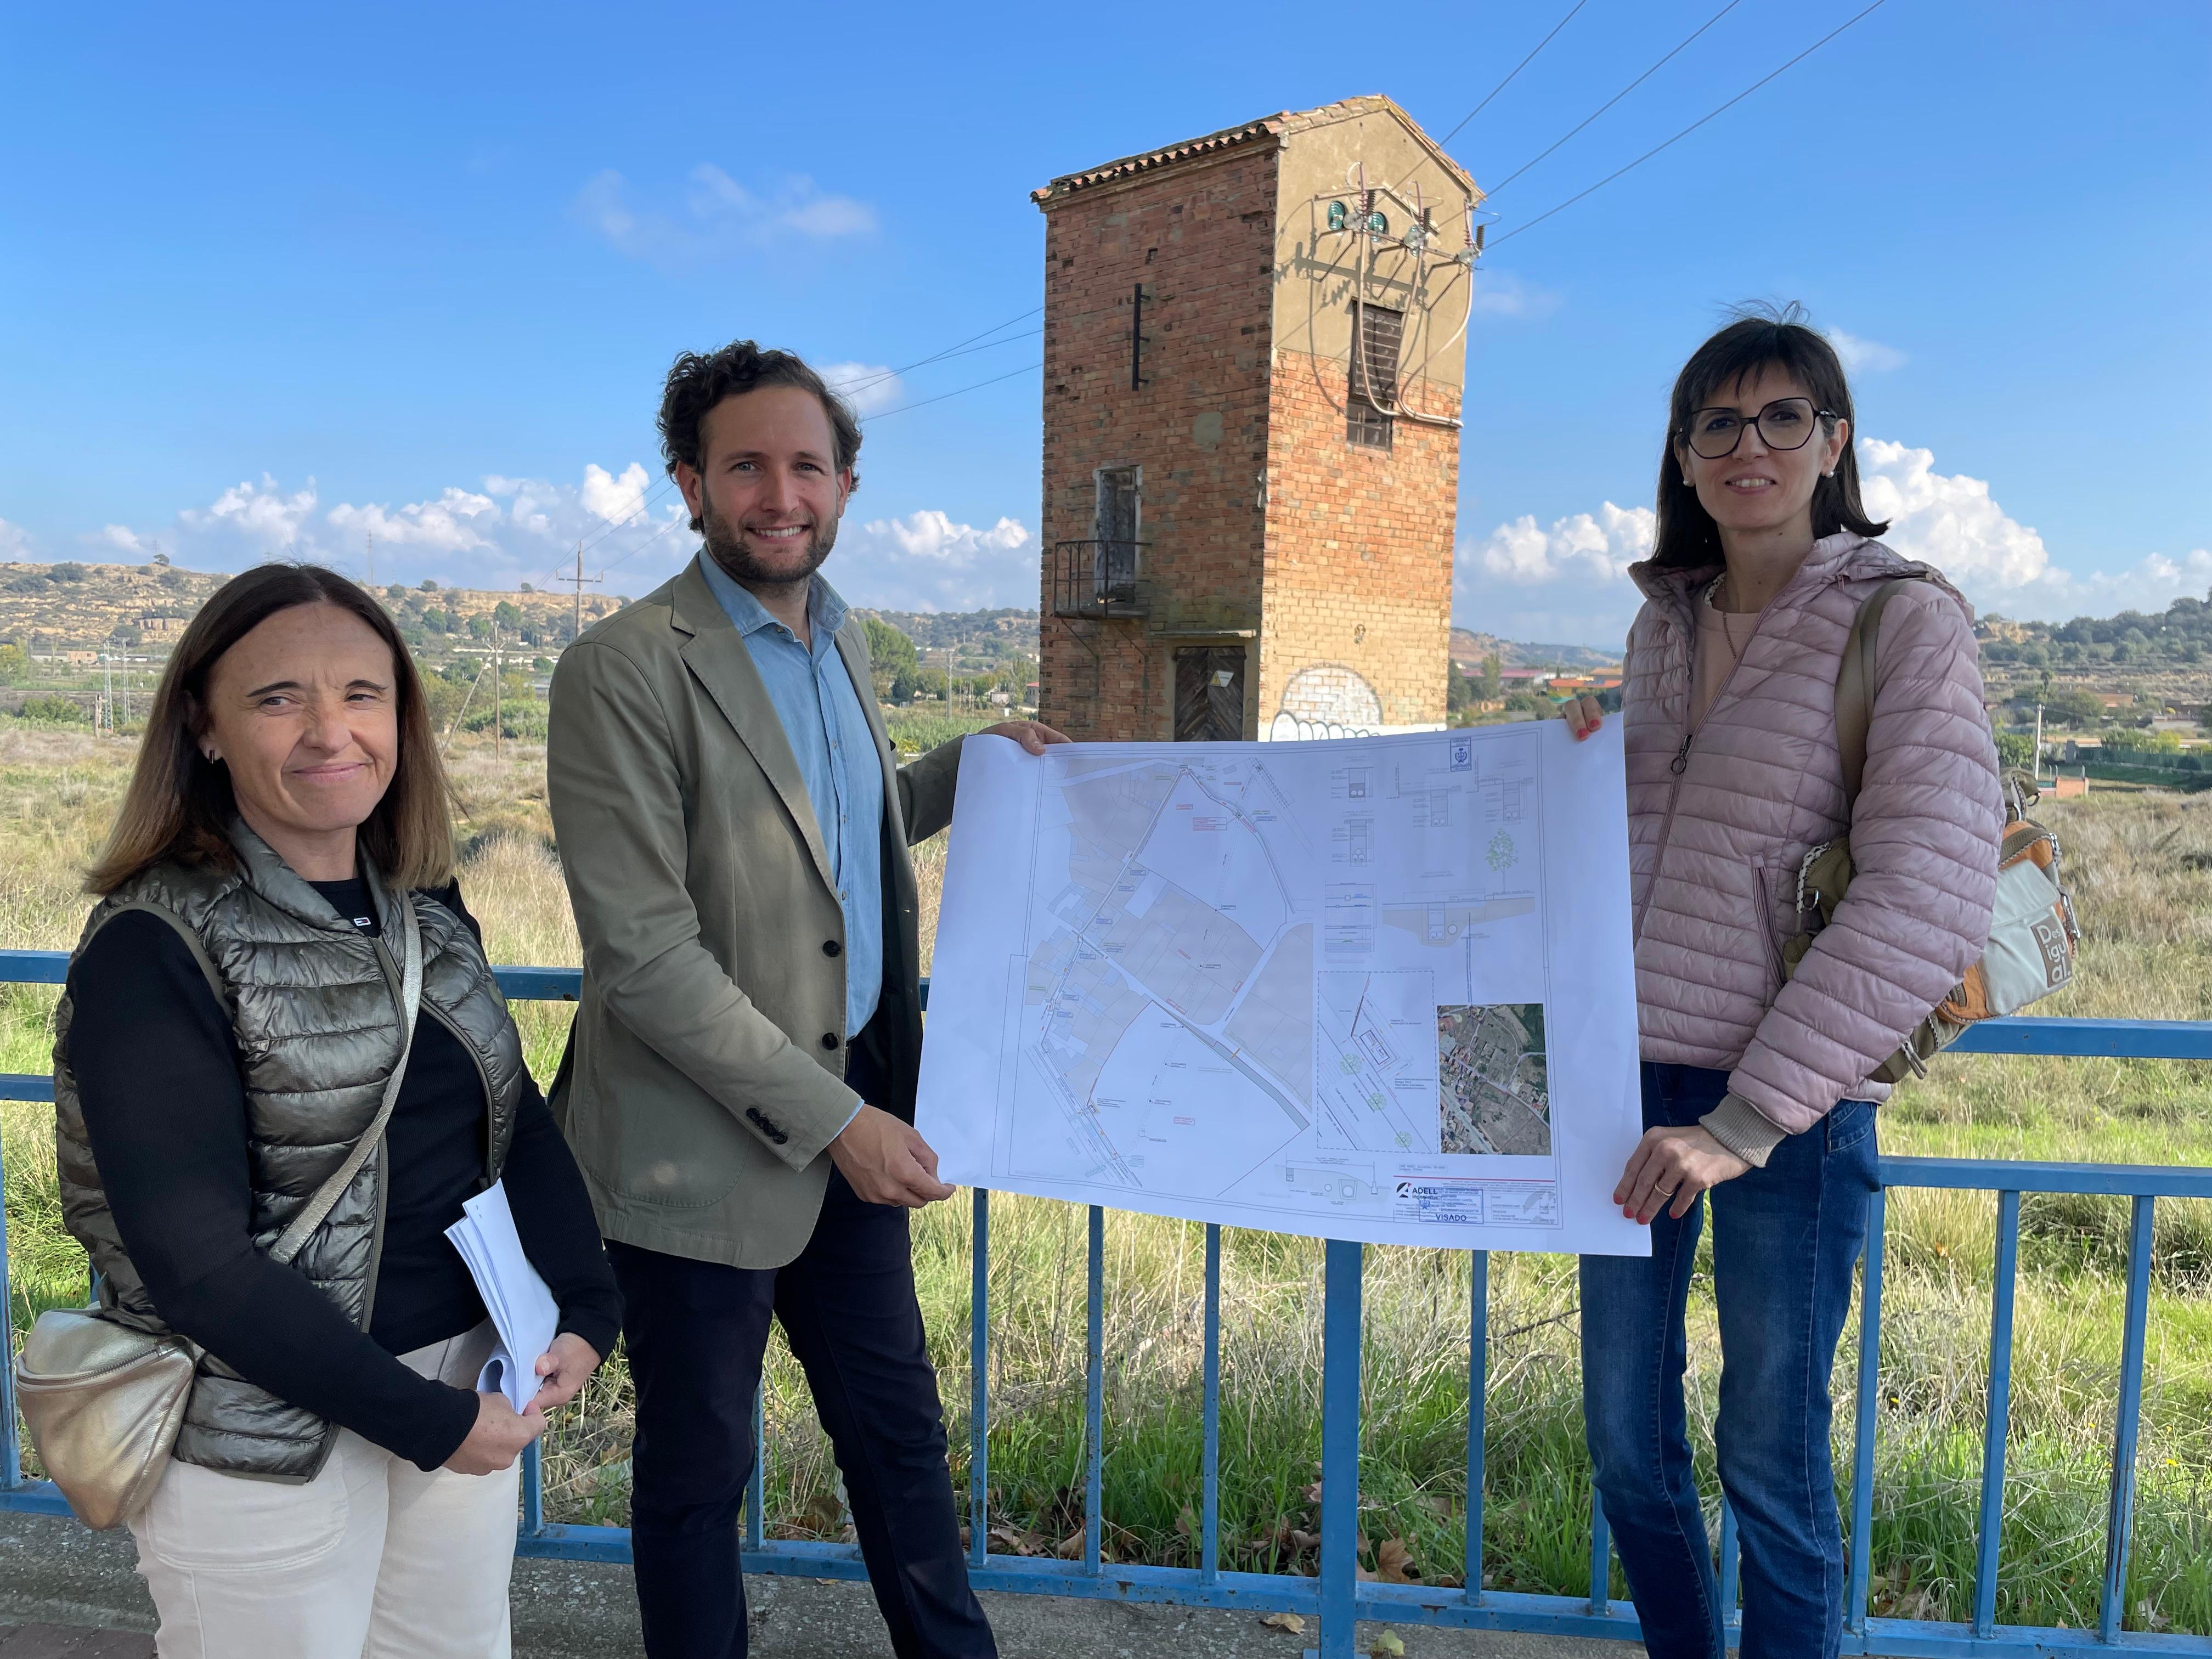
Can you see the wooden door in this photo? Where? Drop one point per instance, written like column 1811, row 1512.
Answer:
column 1209, row 697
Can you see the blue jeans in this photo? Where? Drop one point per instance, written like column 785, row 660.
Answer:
column 1785, row 1241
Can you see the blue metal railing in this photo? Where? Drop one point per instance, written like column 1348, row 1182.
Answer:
column 1335, row 1595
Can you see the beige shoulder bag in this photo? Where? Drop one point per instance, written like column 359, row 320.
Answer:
column 104, row 1399
column 2034, row 935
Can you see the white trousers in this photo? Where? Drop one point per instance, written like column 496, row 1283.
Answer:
column 371, row 1559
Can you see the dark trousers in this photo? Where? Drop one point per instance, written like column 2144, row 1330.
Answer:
column 1785, row 1241
column 696, row 1333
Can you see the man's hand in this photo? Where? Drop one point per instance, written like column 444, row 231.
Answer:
column 563, row 1366
column 1583, row 716
column 1674, row 1164
column 884, row 1161
column 1031, row 735
column 498, row 1438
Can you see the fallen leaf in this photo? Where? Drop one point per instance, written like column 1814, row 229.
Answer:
column 1313, row 1493
column 1294, row 1623
column 1303, row 1541
column 1387, row 1646
column 1394, row 1562
column 1070, row 1547
column 1186, row 1522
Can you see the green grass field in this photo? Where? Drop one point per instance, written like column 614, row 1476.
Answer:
column 2146, row 906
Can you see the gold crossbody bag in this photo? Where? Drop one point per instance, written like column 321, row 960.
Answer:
column 104, row 1399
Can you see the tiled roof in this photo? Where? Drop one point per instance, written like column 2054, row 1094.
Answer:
column 1265, row 128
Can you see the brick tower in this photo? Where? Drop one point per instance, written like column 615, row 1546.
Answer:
column 1253, row 351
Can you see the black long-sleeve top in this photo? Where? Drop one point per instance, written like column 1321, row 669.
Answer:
column 157, row 1073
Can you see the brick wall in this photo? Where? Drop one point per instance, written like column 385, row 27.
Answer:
column 1359, row 549
column 1202, row 239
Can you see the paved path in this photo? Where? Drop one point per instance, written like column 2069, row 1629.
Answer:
column 77, row 1596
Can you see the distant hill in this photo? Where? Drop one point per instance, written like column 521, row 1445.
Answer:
column 76, row 606
column 1470, row 649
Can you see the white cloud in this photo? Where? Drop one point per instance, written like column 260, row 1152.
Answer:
column 14, row 541
column 927, row 560
column 1864, row 356
column 121, row 538
column 717, row 218
column 1567, row 583
column 261, row 515
column 611, row 498
column 868, row 387
column 454, row 522
column 1951, row 521
column 1500, row 293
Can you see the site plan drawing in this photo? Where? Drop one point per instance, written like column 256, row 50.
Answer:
column 1375, row 989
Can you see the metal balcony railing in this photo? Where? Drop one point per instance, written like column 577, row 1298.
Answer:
column 1336, row 1596
column 1098, row 577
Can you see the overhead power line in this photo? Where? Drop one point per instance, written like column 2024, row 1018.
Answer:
column 1516, row 69
column 942, row 396
column 1616, row 98
column 1687, row 131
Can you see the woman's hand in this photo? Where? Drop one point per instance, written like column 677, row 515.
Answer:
column 1032, row 735
column 1583, row 716
column 499, row 1437
column 563, row 1366
column 1674, row 1164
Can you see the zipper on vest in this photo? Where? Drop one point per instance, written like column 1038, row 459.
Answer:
column 483, row 1076
column 1681, row 764
column 393, row 981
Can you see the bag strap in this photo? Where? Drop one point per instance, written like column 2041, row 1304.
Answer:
column 294, row 1237
column 1854, row 686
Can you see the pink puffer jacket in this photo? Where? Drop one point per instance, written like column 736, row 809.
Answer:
column 1720, row 819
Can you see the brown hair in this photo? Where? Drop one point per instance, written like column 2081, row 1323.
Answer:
column 1685, row 537
column 179, row 805
column 696, row 383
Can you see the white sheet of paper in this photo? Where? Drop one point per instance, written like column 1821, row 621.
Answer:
column 1373, row 988
column 521, row 1308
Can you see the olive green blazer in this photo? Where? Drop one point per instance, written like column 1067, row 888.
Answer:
column 703, row 1077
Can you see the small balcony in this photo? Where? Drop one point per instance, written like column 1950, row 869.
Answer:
column 1098, row 578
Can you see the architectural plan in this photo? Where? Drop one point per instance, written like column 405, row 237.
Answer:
column 1376, row 988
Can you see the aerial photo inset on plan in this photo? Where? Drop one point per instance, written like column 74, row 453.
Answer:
column 1492, row 1092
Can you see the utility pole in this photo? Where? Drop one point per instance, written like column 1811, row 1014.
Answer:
column 498, row 727
column 107, row 690
column 2038, row 768
column 579, row 580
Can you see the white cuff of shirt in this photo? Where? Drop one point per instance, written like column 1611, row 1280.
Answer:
column 857, row 1105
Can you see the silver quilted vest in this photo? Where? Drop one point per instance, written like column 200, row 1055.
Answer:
column 314, row 1008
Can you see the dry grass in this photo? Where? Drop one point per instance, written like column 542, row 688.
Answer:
column 2147, row 905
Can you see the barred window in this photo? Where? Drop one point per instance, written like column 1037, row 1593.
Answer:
column 1378, row 332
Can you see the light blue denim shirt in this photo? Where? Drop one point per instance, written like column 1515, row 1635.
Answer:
column 827, row 729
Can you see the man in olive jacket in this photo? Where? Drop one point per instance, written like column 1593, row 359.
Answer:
column 739, row 1086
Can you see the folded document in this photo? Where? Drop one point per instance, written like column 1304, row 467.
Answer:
column 522, row 1308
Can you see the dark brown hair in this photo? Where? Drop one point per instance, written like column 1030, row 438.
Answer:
column 1687, row 539
column 696, row 383
column 180, row 804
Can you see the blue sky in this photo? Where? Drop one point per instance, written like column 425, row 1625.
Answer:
column 271, row 279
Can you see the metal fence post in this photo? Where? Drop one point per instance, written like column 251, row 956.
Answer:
column 1339, row 1448
column 1478, row 1384
column 1865, row 1415
column 1094, row 1404
column 1601, row 1556
column 1209, row 1520
column 534, row 1490
column 1998, row 1421
column 979, row 1384
column 11, row 1446
column 2120, row 1519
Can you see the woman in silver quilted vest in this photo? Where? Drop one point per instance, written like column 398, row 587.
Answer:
column 232, row 1026
column 1757, row 1095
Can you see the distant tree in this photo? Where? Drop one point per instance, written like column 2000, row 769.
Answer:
column 70, row 571
column 1493, row 679
column 541, row 664
column 2016, row 748
column 480, row 626
column 526, row 588
column 1459, row 690
column 507, row 615
column 428, row 584
column 2073, row 708
column 15, row 664
column 395, row 591
column 162, row 558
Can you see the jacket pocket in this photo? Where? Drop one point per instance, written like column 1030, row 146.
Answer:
column 1763, row 877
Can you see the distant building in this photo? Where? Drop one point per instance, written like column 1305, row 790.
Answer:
column 162, row 628
column 1254, row 358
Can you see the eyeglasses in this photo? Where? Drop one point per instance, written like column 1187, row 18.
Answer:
column 1785, row 423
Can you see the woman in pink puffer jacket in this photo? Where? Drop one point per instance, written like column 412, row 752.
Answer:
column 1756, row 1088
